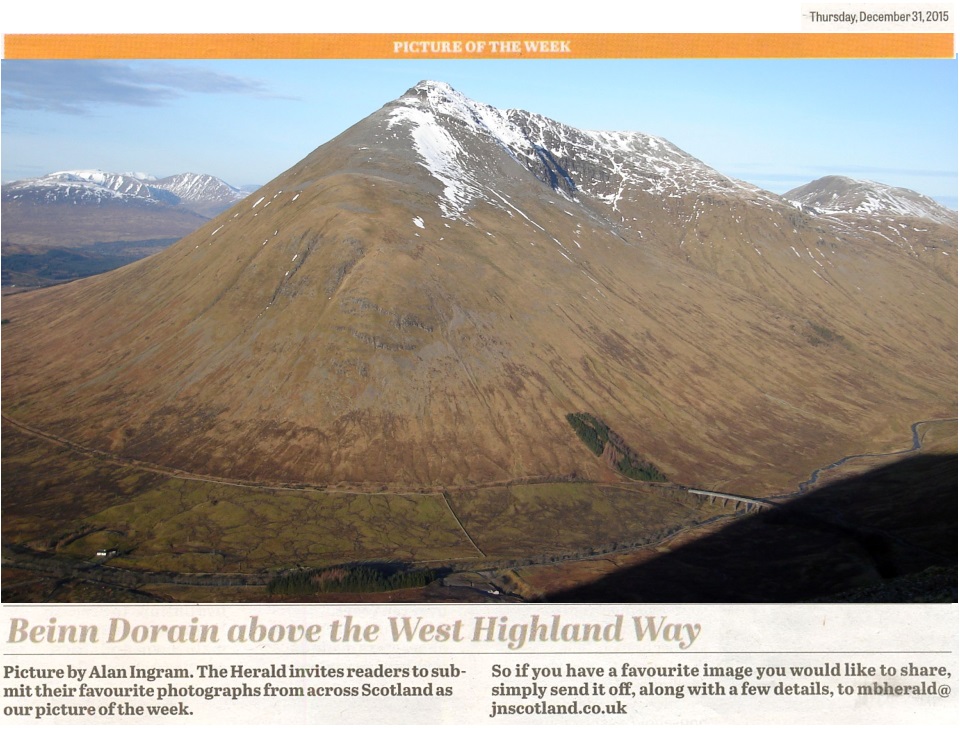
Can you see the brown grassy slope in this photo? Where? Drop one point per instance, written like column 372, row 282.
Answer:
column 322, row 336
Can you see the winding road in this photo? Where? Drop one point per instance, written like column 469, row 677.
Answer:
column 917, row 443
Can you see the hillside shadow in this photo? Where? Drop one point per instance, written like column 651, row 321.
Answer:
column 847, row 541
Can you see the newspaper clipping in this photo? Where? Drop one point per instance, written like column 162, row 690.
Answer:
column 465, row 586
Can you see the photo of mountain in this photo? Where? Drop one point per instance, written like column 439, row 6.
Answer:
column 461, row 353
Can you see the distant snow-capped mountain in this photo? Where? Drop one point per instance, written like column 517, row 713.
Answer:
column 204, row 194
column 77, row 207
column 835, row 194
column 86, row 187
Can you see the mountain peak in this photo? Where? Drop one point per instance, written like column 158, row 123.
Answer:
column 836, row 194
column 449, row 131
column 431, row 87
column 441, row 97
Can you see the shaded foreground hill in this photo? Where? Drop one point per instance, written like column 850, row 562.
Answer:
column 886, row 535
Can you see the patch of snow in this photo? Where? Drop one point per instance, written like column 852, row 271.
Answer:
column 866, row 197
column 433, row 114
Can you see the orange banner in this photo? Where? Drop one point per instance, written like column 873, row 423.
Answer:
column 479, row 45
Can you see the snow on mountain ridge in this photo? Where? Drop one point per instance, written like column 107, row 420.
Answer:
column 97, row 177
column 838, row 195
column 91, row 186
column 97, row 186
column 194, row 186
column 562, row 156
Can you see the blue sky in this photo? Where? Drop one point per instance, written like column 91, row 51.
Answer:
column 777, row 124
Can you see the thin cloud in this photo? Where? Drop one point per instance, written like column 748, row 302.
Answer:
column 79, row 87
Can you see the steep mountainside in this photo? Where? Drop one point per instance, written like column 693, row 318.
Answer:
column 422, row 300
